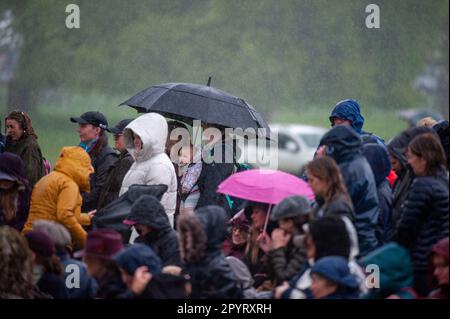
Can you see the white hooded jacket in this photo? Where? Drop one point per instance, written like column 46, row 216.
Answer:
column 152, row 166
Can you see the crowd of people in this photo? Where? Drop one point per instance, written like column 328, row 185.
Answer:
column 378, row 205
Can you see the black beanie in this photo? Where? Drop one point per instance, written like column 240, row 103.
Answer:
column 330, row 237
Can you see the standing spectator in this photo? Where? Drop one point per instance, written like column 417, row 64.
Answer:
column 424, row 217
column 344, row 146
column 440, row 264
column 348, row 113
column 201, row 238
column 405, row 175
column 218, row 158
column 145, row 139
column 101, row 247
column 119, row 169
column 93, row 139
column 87, row 287
column 16, row 275
column 14, row 191
column 22, row 140
column 379, row 161
column 47, row 268
column 148, row 217
column 57, row 197
column 329, row 188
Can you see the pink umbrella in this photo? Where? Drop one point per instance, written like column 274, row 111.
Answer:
column 265, row 186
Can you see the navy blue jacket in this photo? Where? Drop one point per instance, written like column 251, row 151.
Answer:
column 379, row 161
column 344, row 146
column 87, row 285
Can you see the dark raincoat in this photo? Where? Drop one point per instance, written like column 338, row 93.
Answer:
column 397, row 147
column 212, row 277
column 116, row 174
column 344, row 146
column 29, row 151
column 379, row 161
column 162, row 239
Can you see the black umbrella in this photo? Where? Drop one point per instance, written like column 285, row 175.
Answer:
column 201, row 102
column 112, row 215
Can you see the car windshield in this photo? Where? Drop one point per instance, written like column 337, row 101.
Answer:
column 311, row 140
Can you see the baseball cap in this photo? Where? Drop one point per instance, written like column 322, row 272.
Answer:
column 94, row 118
column 118, row 129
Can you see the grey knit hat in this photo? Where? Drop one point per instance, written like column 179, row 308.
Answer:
column 291, row 207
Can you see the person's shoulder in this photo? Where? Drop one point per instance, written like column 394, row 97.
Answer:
column 30, row 143
column 108, row 151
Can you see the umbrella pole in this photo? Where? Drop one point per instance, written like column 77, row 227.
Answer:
column 267, row 218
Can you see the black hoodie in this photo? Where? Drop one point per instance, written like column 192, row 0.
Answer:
column 212, row 277
column 162, row 239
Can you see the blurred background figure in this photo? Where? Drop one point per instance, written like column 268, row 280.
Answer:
column 150, row 221
column 85, row 287
column 21, row 140
column 396, row 276
column 426, row 121
column 440, row 273
column 201, row 239
column 2, row 138
column 331, row 279
column 116, row 173
column 237, row 239
column 101, row 247
column 15, row 192
column 47, row 268
column 17, row 279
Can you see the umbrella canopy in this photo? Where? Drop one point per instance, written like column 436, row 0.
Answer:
column 265, row 186
column 201, row 102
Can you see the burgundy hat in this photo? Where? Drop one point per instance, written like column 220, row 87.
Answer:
column 40, row 243
column 441, row 248
column 240, row 221
column 101, row 243
column 13, row 166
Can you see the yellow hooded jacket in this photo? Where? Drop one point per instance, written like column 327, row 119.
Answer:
column 57, row 197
